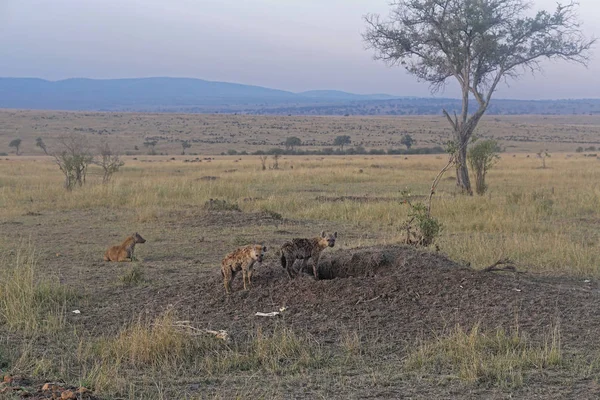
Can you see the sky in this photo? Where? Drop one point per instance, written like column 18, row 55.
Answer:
column 293, row 45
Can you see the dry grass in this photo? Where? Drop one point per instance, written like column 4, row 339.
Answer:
column 158, row 351
column 497, row 358
column 543, row 219
column 29, row 303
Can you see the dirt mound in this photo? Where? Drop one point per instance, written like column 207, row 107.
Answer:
column 385, row 293
column 369, row 261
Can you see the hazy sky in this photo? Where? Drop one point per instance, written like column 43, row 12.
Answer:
column 293, row 45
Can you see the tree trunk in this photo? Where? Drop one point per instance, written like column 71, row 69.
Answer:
column 462, row 170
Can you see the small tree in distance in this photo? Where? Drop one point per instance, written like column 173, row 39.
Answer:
column 263, row 161
column 39, row 142
column 292, row 142
column 342, row 141
column 407, row 140
column 185, row 145
column 151, row 144
column 16, row 143
column 482, row 156
column 73, row 159
column 109, row 160
column 479, row 43
column 543, row 154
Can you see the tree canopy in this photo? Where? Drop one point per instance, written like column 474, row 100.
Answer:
column 478, row 43
column 341, row 141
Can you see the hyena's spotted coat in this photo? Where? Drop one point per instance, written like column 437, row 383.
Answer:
column 242, row 259
column 304, row 249
column 124, row 252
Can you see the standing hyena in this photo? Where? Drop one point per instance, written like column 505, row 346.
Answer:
column 124, row 252
column 304, row 249
column 242, row 259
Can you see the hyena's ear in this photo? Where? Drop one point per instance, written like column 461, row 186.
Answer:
column 264, row 248
column 335, row 235
column 322, row 234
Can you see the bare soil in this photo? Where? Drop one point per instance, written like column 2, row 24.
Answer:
column 391, row 296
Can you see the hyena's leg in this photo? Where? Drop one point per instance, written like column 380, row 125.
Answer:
column 289, row 264
column 315, row 260
column 227, row 277
column 245, row 278
column 250, row 277
column 304, row 265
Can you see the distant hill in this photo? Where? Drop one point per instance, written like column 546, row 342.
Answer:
column 201, row 96
column 345, row 96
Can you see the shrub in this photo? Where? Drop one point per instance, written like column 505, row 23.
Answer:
column 73, row 159
column 427, row 227
column 482, row 156
column 110, row 161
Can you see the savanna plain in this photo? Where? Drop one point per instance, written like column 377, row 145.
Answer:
column 386, row 320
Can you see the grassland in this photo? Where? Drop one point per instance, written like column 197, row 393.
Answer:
column 214, row 134
column 126, row 344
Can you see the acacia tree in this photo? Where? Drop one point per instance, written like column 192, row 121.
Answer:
column 16, row 143
column 39, row 142
column 407, row 140
column 185, row 145
column 292, row 142
column 479, row 43
column 342, row 141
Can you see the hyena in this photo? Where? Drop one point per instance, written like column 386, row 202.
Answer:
column 242, row 259
column 124, row 252
column 304, row 249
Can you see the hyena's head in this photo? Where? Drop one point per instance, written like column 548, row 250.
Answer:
column 138, row 238
column 258, row 252
column 328, row 239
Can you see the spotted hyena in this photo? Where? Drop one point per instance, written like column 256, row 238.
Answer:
column 304, row 249
column 242, row 259
column 124, row 252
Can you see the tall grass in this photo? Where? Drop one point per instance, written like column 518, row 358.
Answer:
column 498, row 358
column 30, row 303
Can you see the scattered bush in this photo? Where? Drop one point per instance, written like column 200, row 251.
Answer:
column 482, row 156
column 421, row 229
column 73, row 159
column 110, row 161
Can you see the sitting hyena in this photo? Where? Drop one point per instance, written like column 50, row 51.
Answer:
column 304, row 249
column 124, row 252
column 242, row 259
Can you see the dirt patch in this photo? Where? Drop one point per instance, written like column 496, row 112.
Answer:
column 395, row 292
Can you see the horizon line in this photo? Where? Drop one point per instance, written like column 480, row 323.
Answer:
column 393, row 96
